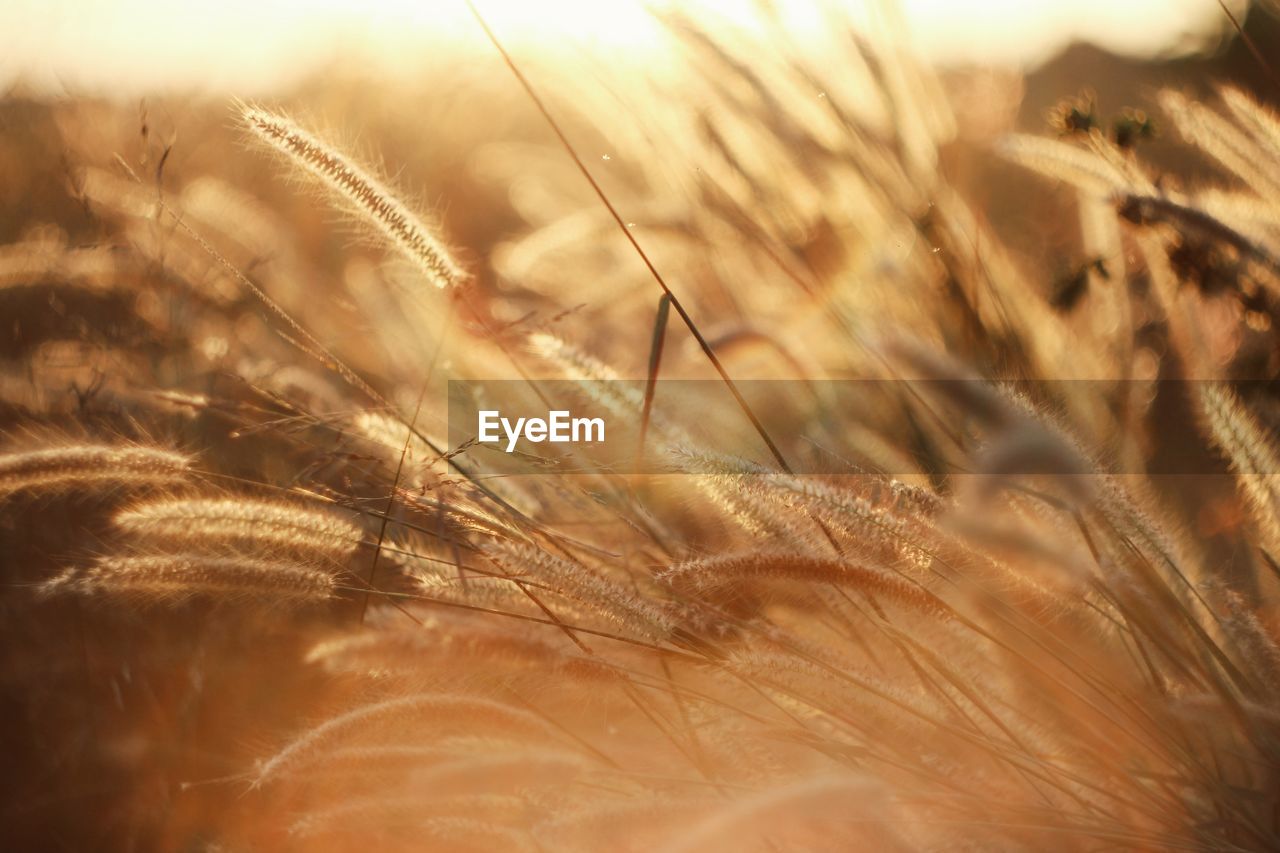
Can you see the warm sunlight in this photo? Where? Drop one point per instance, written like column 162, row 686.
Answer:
column 152, row 45
column 640, row 426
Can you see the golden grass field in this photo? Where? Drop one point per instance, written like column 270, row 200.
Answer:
column 256, row 598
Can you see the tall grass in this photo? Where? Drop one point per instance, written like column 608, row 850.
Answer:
column 993, row 628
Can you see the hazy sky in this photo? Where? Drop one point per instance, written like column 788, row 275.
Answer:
column 131, row 47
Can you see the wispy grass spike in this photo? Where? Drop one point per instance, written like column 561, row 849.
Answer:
column 88, row 466
column 269, row 524
column 178, row 577
column 365, row 194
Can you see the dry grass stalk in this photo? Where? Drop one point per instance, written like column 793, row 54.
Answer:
column 365, row 194
column 1076, row 656
column 1252, row 452
column 91, row 466
column 177, row 577
column 266, row 524
column 725, row 571
column 590, row 588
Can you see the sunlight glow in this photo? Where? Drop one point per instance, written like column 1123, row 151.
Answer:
column 129, row 47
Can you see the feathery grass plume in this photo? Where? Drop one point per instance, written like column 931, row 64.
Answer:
column 607, row 597
column 91, row 466
column 726, row 570
column 453, row 643
column 877, row 530
column 696, row 460
column 754, row 520
column 424, row 716
column 1132, row 509
column 255, row 522
column 447, row 582
column 465, row 509
column 599, row 381
column 177, row 577
column 760, row 494
column 912, row 499
column 1225, row 142
column 494, row 590
column 365, row 194
column 1258, row 649
column 1261, row 123
column 1253, row 217
column 1064, row 162
column 578, row 365
column 392, row 435
column 424, row 471
column 1251, row 451
column 602, row 384
column 721, row 479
